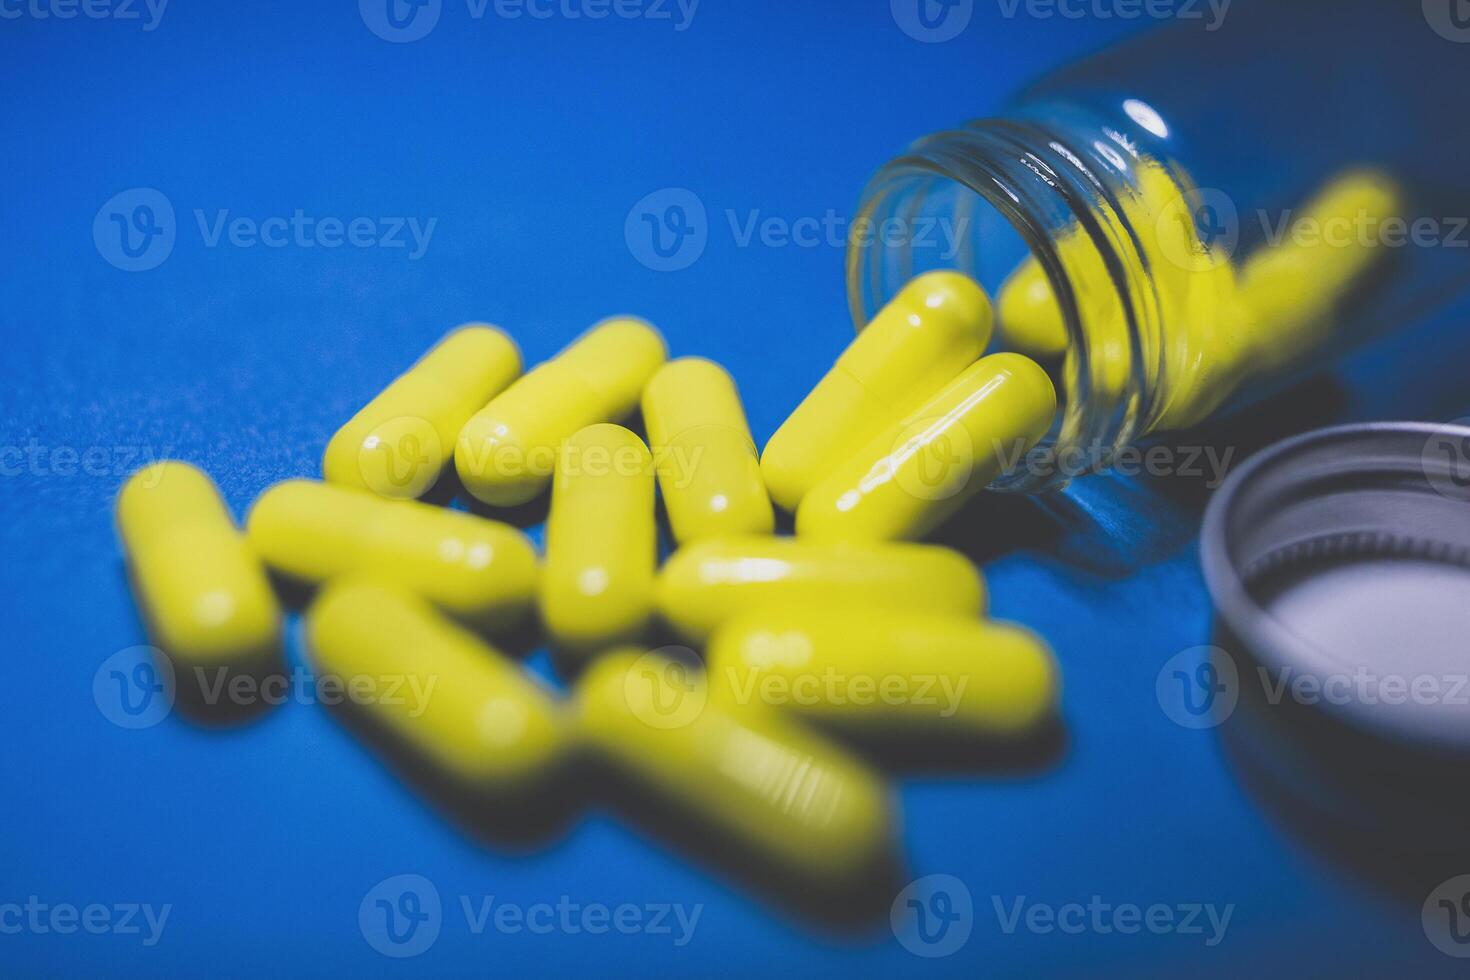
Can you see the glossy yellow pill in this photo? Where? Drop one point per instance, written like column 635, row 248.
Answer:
column 779, row 793
column 204, row 594
column 506, row 452
column 913, row 476
column 707, row 464
column 398, row 444
column 481, row 571
column 879, row 671
column 601, row 540
column 931, row 331
column 461, row 706
column 706, row 583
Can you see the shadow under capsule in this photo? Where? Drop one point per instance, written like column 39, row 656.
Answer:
column 445, row 488
column 847, row 905
column 220, row 696
column 1105, row 525
column 1315, row 401
column 293, row 594
column 521, row 822
column 1147, row 508
column 525, row 516
column 517, row 639
column 657, row 637
column 962, row 754
column 211, row 697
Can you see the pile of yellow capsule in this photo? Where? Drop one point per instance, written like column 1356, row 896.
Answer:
column 1222, row 323
column 812, row 644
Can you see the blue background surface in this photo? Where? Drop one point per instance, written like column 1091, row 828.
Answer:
column 528, row 142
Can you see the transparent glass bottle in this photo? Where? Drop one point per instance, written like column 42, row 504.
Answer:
column 1207, row 214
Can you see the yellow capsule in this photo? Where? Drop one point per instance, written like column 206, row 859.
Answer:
column 399, row 443
column 1194, row 360
column 707, row 464
column 601, row 540
column 204, row 594
column 879, row 671
column 931, row 331
column 1292, row 288
column 706, row 583
column 916, row 474
column 1028, row 317
column 1219, row 329
column 506, row 452
column 481, row 571
column 1213, row 329
column 779, row 793
column 472, row 714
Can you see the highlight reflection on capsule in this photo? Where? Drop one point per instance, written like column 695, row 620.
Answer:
column 931, row 331
column 398, row 444
column 480, row 571
column 601, row 541
column 704, row 584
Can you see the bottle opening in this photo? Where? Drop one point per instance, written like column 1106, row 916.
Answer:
column 1147, row 305
column 1041, row 228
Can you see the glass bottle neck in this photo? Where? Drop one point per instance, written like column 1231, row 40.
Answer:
column 1064, row 187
